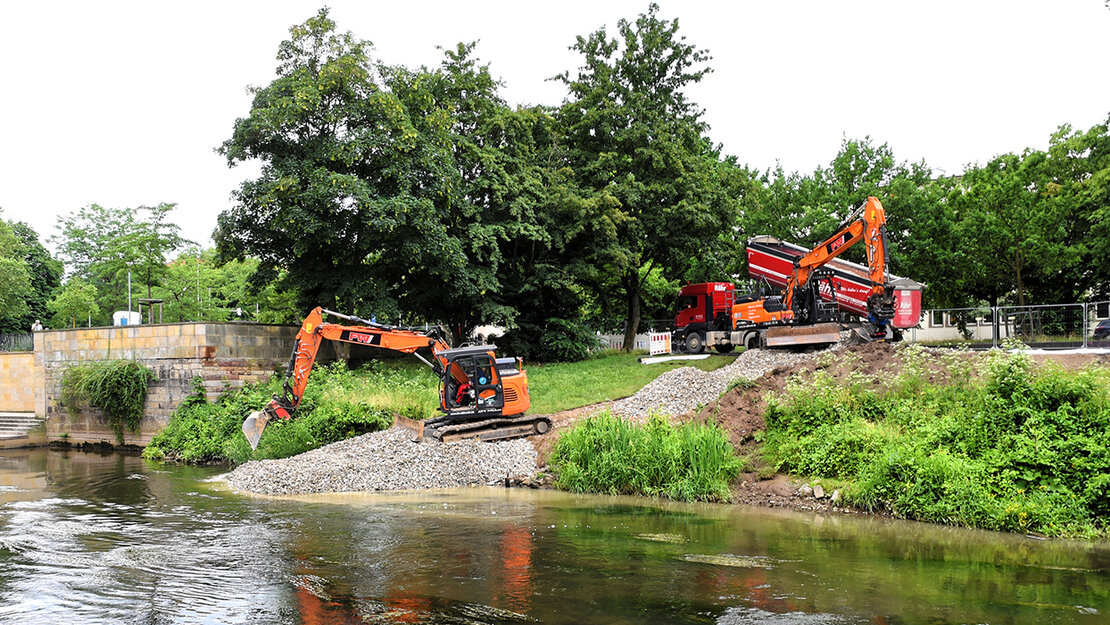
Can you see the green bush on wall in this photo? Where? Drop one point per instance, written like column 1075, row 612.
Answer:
column 117, row 387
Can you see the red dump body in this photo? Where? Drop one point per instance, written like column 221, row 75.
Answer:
column 773, row 260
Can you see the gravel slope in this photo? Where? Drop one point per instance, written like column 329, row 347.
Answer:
column 681, row 390
column 387, row 460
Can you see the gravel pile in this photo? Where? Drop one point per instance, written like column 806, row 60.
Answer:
column 684, row 389
column 387, row 460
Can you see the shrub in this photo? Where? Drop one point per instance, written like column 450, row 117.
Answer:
column 609, row 455
column 338, row 404
column 117, row 387
column 1019, row 449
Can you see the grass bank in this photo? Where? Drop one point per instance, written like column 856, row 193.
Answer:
column 994, row 443
column 606, row 454
column 340, row 403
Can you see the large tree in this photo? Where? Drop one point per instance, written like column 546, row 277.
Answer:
column 637, row 143
column 15, row 277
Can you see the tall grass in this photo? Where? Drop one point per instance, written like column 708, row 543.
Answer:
column 609, row 455
column 1003, row 445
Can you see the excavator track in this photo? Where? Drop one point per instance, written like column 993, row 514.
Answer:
column 499, row 428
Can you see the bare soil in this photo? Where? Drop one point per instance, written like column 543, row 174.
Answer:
column 740, row 413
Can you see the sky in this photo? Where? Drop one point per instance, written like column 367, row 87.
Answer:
column 123, row 104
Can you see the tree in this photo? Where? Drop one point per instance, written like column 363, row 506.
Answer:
column 45, row 274
column 76, row 301
column 102, row 246
column 15, row 278
column 636, row 143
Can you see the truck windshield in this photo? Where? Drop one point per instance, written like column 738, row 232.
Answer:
column 684, row 302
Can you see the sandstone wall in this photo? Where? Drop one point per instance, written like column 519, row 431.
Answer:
column 224, row 355
column 18, row 381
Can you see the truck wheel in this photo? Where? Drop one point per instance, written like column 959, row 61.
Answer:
column 724, row 349
column 694, row 343
column 751, row 340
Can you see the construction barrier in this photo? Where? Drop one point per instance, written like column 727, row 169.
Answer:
column 659, row 343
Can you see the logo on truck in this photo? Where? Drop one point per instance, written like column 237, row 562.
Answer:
column 361, row 337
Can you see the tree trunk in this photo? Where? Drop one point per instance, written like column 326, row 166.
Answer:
column 632, row 288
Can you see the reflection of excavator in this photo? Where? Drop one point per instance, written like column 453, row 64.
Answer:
column 481, row 395
column 800, row 316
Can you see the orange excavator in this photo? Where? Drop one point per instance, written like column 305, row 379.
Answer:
column 481, row 396
column 801, row 315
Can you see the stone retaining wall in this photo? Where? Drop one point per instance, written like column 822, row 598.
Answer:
column 224, row 355
column 18, row 381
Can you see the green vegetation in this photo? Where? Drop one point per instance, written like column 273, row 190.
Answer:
column 1001, row 445
column 338, row 404
column 607, row 454
column 610, row 375
column 117, row 387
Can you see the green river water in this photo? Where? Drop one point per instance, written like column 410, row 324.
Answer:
column 88, row 538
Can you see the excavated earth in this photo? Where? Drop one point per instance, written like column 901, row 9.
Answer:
column 389, row 460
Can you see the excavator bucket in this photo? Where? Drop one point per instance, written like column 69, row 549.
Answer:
column 253, row 426
column 791, row 336
column 414, row 426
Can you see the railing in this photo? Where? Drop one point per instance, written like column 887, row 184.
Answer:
column 17, row 342
column 1052, row 326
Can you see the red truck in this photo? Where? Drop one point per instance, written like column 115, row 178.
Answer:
column 818, row 289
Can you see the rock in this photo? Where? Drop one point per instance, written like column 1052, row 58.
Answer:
column 684, row 389
column 388, row 460
column 818, row 492
column 835, row 498
column 805, row 491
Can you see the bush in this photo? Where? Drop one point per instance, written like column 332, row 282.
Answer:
column 557, row 340
column 609, row 455
column 338, row 404
column 1019, row 449
column 117, row 387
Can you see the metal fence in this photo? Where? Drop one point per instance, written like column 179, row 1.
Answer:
column 1053, row 326
column 17, row 342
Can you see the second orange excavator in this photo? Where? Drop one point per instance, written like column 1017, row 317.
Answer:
column 481, row 395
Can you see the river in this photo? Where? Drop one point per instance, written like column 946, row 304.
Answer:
column 90, row 538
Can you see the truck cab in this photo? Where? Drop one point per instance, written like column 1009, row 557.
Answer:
column 702, row 309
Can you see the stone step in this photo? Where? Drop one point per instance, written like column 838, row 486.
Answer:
column 17, row 424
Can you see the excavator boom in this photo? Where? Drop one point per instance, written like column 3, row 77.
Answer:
column 481, row 395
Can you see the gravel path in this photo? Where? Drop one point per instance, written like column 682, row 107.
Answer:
column 684, row 389
column 387, row 460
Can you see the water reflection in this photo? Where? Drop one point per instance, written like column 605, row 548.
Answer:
column 111, row 539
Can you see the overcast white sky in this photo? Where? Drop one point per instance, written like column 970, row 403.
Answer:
column 122, row 103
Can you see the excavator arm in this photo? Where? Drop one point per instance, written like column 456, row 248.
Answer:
column 313, row 332
column 868, row 224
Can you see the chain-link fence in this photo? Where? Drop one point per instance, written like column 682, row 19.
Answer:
column 1052, row 326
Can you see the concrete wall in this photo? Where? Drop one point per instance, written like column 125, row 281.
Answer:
column 18, row 380
column 224, row 355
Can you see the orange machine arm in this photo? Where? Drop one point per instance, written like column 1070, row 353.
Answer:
column 867, row 224
column 314, row 330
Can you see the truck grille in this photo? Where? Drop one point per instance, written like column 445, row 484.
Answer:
column 510, row 395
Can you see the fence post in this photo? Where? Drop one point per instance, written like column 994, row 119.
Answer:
column 994, row 326
column 1085, row 321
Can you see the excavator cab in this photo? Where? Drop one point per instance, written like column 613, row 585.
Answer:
column 471, row 382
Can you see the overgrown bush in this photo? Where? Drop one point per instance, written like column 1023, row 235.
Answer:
column 1016, row 448
column 609, row 455
column 117, row 387
column 338, row 404
column 558, row 340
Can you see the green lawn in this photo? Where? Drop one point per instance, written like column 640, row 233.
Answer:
column 563, row 386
